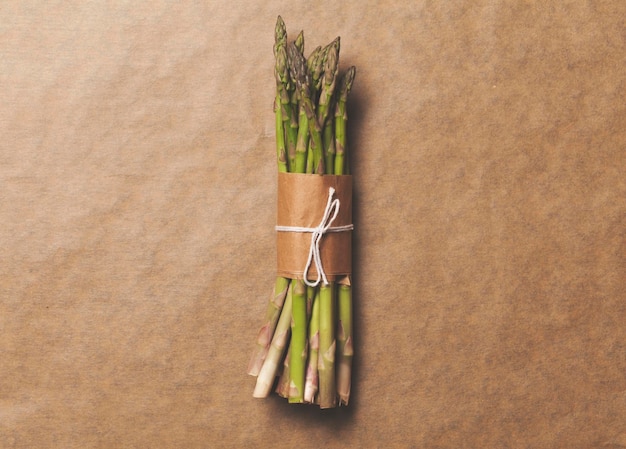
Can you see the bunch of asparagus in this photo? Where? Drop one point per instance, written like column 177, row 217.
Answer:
column 304, row 348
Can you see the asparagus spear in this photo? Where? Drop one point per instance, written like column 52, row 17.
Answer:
column 344, row 332
column 326, row 361
column 300, row 77
column 308, row 125
column 315, row 64
column 327, row 387
column 281, row 106
column 298, row 352
column 331, row 66
column 310, row 297
column 282, row 388
column 284, row 89
column 267, row 375
column 341, row 117
column 280, row 136
column 329, row 146
column 344, row 343
column 311, row 380
column 299, row 44
column 298, row 346
column 266, row 333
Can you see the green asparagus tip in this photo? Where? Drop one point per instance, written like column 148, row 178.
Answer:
column 311, row 61
column 297, row 69
column 346, row 83
column 281, row 30
column 331, row 63
column 281, row 69
column 300, row 41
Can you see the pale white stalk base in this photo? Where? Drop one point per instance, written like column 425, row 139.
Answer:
column 267, row 375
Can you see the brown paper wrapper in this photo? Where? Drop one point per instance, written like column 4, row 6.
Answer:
column 302, row 200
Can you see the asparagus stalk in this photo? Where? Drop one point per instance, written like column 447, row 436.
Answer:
column 282, row 389
column 329, row 146
column 309, row 159
column 298, row 351
column 280, row 137
column 284, row 105
column 300, row 77
column 311, row 380
column 317, row 147
column 315, row 64
column 281, row 93
column 298, row 346
column 341, row 117
column 326, row 361
column 331, row 66
column 286, row 125
column 308, row 126
column 266, row 332
column 344, row 332
column 267, row 375
column 344, row 343
column 299, row 44
column 310, row 297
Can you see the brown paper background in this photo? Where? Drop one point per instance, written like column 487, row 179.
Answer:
column 301, row 202
column 137, row 206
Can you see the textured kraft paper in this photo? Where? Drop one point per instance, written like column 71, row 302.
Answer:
column 301, row 202
column 138, row 205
